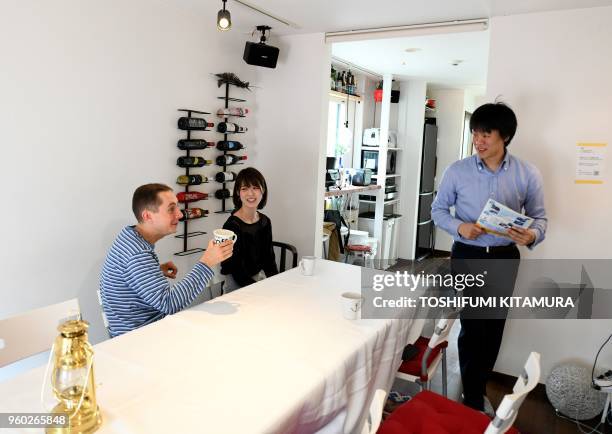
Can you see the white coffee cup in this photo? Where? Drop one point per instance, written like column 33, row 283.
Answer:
column 307, row 265
column 351, row 305
column 223, row 235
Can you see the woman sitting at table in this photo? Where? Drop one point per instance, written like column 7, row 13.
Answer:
column 253, row 257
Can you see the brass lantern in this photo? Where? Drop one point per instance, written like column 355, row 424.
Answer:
column 72, row 379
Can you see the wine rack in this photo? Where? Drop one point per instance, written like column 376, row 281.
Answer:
column 227, row 99
column 186, row 235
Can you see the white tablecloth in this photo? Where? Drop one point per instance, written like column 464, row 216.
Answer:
column 274, row 357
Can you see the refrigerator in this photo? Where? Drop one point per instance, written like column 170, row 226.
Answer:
column 425, row 226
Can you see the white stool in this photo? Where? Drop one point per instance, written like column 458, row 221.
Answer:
column 606, row 405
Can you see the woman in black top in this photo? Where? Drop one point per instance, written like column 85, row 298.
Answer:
column 253, row 257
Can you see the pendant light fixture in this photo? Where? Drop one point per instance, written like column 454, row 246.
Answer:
column 224, row 19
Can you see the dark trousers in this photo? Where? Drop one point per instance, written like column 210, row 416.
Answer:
column 482, row 330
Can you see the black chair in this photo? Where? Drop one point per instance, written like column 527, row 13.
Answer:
column 284, row 247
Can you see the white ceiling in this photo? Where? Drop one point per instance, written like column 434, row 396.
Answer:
column 433, row 61
column 337, row 15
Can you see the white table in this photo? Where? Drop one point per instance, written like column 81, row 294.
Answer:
column 276, row 356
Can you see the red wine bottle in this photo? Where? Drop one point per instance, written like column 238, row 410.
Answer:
column 225, row 177
column 230, row 127
column 193, row 213
column 229, row 159
column 191, row 196
column 192, row 162
column 191, row 179
column 222, row 193
column 229, row 145
column 197, row 124
column 191, row 144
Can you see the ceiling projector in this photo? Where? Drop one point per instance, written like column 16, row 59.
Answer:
column 260, row 54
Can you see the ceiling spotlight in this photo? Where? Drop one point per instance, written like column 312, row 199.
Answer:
column 224, row 19
column 456, row 62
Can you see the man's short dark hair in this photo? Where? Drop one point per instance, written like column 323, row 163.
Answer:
column 250, row 177
column 495, row 116
column 147, row 197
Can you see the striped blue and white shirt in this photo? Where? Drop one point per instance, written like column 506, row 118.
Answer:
column 133, row 289
column 467, row 185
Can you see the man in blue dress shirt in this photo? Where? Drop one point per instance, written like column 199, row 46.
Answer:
column 467, row 185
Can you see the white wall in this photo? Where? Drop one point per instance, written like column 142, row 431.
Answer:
column 449, row 119
column 554, row 69
column 292, row 127
column 90, row 92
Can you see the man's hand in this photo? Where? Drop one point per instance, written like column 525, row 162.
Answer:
column 470, row 231
column 169, row 269
column 216, row 253
column 522, row 237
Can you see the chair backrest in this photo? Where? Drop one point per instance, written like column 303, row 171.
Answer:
column 284, row 247
column 104, row 319
column 33, row 332
column 441, row 332
column 508, row 409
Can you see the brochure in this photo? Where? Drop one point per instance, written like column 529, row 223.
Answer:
column 496, row 219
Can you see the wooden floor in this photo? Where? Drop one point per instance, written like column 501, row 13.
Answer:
column 536, row 416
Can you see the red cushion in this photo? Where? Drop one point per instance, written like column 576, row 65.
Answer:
column 413, row 366
column 430, row 413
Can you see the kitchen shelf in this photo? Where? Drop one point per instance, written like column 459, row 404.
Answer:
column 343, row 95
column 352, row 189
column 394, row 175
column 389, row 202
column 377, row 148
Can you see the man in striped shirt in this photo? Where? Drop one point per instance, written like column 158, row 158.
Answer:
column 133, row 285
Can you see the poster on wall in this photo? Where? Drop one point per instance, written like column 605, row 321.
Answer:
column 590, row 158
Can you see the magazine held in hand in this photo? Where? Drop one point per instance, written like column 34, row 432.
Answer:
column 496, row 219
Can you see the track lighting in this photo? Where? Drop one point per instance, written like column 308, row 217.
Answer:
column 224, row 19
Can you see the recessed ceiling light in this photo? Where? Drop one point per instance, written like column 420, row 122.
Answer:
column 456, row 62
column 412, row 50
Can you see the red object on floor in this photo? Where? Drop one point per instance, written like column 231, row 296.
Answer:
column 430, row 413
column 413, row 366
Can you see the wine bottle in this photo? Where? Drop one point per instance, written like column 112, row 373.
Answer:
column 226, row 160
column 225, row 177
column 222, row 193
column 227, row 145
column 232, row 111
column 192, row 144
column 191, row 179
column 192, row 162
column 191, row 196
column 200, row 124
column 230, row 127
column 348, row 81
column 193, row 213
column 333, row 79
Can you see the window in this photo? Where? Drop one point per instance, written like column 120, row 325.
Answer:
column 338, row 136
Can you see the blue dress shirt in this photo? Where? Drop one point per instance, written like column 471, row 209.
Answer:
column 467, row 185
